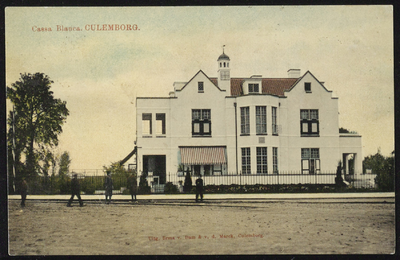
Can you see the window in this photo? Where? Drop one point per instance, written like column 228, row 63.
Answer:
column 201, row 122
column 196, row 170
column 200, row 86
column 224, row 75
column 262, row 162
column 307, row 86
column 309, row 122
column 275, row 159
column 146, row 124
column 274, row 125
column 253, row 88
column 244, row 121
column 310, row 163
column 217, row 169
column 261, row 119
column 246, row 162
column 160, row 124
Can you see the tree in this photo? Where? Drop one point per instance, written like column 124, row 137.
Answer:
column 64, row 163
column 118, row 173
column 63, row 180
column 36, row 121
column 385, row 177
column 374, row 162
column 383, row 167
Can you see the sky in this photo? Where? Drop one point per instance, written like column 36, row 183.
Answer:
column 100, row 73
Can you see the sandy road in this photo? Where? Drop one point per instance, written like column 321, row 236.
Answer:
column 159, row 227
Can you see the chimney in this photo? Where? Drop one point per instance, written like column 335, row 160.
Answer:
column 294, row 73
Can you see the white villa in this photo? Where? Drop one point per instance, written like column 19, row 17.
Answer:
column 243, row 126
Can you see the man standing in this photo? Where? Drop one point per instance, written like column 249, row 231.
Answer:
column 108, row 185
column 75, row 190
column 23, row 191
column 132, row 185
column 199, row 188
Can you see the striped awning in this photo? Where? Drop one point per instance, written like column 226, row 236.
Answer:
column 202, row 155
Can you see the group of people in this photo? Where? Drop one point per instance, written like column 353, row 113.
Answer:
column 108, row 186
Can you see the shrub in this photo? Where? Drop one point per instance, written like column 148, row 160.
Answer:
column 187, row 186
column 64, row 184
column 170, row 188
column 126, row 192
column 144, row 187
column 88, row 186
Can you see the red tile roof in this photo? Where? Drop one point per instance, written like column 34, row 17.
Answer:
column 271, row 86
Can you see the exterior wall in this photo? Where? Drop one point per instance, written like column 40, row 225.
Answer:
column 253, row 140
column 351, row 144
column 328, row 139
column 181, row 108
column 153, row 144
column 178, row 117
column 178, row 112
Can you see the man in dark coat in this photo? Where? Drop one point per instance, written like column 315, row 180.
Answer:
column 108, row 185
column 24, row 191
column 75, row 190
column 132, row 185
column 199, row 188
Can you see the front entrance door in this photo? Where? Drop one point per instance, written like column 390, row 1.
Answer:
column 155, row 164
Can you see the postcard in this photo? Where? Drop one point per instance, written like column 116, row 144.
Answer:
column 256, row 130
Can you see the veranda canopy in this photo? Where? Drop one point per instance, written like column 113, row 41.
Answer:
column 203, row 155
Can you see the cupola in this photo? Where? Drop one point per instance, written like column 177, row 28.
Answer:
column 224, row 78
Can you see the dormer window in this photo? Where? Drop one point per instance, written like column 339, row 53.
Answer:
column 253, row 88
column 200, row 86
column 307, row 87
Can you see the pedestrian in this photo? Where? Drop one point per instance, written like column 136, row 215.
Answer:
column 132, row 185
column 199, row 188
column 75, row 190
column 24, row 191
column 108, row 186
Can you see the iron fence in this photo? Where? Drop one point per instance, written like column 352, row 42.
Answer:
column 94, row 184
column 260, row 179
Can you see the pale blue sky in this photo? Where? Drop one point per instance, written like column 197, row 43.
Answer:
column 100, row 74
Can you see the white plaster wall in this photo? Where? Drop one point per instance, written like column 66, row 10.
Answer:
column 178, row 112
column 179, row 121
column 352, row 143
column 154, row 145
column 328, row 140
column 252, row 141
